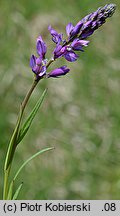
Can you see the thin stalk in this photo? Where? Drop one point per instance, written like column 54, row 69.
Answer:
column 50, row 62
column 5, row 189
column 13, row 143
column 24, row 103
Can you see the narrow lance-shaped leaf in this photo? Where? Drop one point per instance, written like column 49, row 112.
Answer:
column 17, row 192
column 31, row 158
column 30, row 118
column 12, row 144
column 20, row 169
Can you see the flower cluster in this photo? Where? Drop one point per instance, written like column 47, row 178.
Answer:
column 76, row 40
column 38, row 65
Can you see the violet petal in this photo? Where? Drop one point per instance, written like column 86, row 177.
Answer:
column 32, row 61
column 59, row 72
column 76, row 29
column 71, row 56
column 56, row 38
column 78, row 44
column 41, row 47
column 69, row 28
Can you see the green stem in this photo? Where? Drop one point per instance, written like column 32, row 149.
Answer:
column 5, row 189
column 13, row 144
column 50, row 62
column 24, row 103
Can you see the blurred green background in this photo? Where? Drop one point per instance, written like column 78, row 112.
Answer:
column 80, row 116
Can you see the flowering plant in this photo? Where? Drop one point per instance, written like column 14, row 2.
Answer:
column 69, row 48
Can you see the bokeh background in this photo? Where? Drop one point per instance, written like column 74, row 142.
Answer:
column 80, row 116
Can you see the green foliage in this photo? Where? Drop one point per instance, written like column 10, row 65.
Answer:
column 17, row 192
column 12, row 144
column 10, row 192
column 31, row 158
column 28, row 122
column 20, row 169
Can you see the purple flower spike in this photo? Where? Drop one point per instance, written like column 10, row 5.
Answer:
column 56, row 38
column 59, row 72
column 68, row 48
column 69, row 28
column 41, row 47
column 94, row 20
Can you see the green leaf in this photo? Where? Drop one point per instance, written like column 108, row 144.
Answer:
column 30, row 118
column 31, row 158
column 12, row 144
column 17, row 192
column 20, row 169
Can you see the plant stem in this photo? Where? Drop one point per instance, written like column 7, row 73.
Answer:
column 50, row 62
column 5, row 189
column 12, row 145
column 24, row 103
column 13, row 142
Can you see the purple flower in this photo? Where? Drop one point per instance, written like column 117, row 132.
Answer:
column 68, row 50
column 59, row 51
column 76, row 29
column 38, row 66
column 94, row 20
column 69, row 28
column 56, row 38
column 75, row 42
column 90, row 23
column 78, row 44
column 41, row 47
column 58, row 72
column 70, row 55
